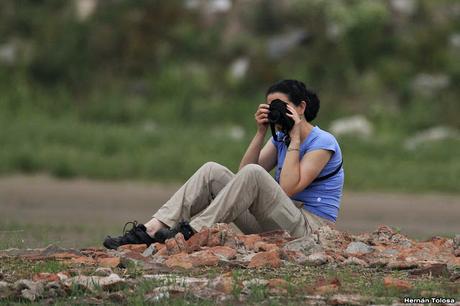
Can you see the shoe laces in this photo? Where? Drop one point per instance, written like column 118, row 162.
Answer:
column 133, row 228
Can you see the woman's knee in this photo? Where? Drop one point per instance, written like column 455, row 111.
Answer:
column 252, row 170
column 213, row 168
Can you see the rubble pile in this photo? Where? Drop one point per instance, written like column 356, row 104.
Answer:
column 221, row 246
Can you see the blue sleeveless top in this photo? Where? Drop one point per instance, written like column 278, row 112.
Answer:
column 320, row 198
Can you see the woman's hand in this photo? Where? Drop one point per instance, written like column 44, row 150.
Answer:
column 261, row 117
column 294, row 116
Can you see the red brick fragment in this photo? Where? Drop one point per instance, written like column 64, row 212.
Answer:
column 47, row 277
column 265, row 259
column 139, row 248
column 198, row 240
column 223, row 252
column 109, row 262
column 249, row 240
column 180, row 260
column 400, row 284
column 172, row 247
column 181, row 243
column 260, row 246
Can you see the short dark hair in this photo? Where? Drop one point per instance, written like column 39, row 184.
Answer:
column 298, row 92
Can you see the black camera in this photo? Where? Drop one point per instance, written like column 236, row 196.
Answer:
column 277, row 115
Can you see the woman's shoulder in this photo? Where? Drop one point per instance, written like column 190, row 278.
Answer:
column 320, row 139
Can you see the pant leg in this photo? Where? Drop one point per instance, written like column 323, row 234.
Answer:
column 195, row 195
column 255, row 190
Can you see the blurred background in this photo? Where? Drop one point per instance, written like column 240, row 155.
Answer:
column 107, row 106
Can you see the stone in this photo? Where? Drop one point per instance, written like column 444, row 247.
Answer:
column 400, row 284
column 317, row 259
column 249, row 240
column 138, row 248
column 180, row 260
column 204, row 258
column 172, row 247
column 181, row 244
column 358, row 248
column 347, row 299
column 223, row 284
column 198, row 240
column 269, row 259
column 45, row 277
column 150, row 250
column 278, row 237
column 355, row 261
column 306, row 245
column 109, row 262
column 30, row 290
column 103, row 271
column 91, row 283
column 278, row 286
column 5, row 290
column 82, row 260
column 294, row 256
column 435, row 269
column 325, row 287
column 401, row 265
column 262, row 246
column 456, row 245
column 223, row 252
column 164, row 292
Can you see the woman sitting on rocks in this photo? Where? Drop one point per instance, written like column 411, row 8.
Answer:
column 304, row 195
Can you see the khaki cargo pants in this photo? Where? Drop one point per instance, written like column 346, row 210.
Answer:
column 251, row 199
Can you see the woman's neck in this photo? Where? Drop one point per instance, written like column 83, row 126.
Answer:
column 305, row 130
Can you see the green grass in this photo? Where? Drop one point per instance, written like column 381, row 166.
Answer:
column 67, row 147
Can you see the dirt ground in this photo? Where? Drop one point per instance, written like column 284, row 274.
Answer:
column 40, row 200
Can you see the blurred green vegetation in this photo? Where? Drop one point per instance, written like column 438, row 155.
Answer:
column 145, row 90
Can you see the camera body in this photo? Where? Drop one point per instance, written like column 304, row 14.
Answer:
column 277, row 116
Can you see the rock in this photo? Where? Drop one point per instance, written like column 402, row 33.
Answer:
column 347, row 299
column 30, row 290
column 355, row 261
column 358, row 248
column 223, row 252
column 263, row 246
column 400, row 284
column 172, row 247
column 5, row 290
column 185, row 281
column 204, row 258
column 266, row 259
column 117, row 297
column 198, row 240
column 164, row 292
column 324, row 287
column 356, row 126
column 278, row 237
column 306, row 245
column 255, row 282
column 278, row 286
column 456, row 245
column 435, row 269
column 109, row 262
column 223, row 284
column 294, row 256
column 45, row 277
column 82, row 260
column 249, row 240
column 317, row 259
column 103, row 272
column 401, row 265
column 180, row 260
column 138, row 248
column 91, row 283
column 181, row 244
column 152, row 249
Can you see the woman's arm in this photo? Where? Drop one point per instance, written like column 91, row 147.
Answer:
column 296, row 175
column 265, row 157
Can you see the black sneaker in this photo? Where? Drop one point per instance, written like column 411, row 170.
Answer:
column 136, row 235
column 166, row 233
